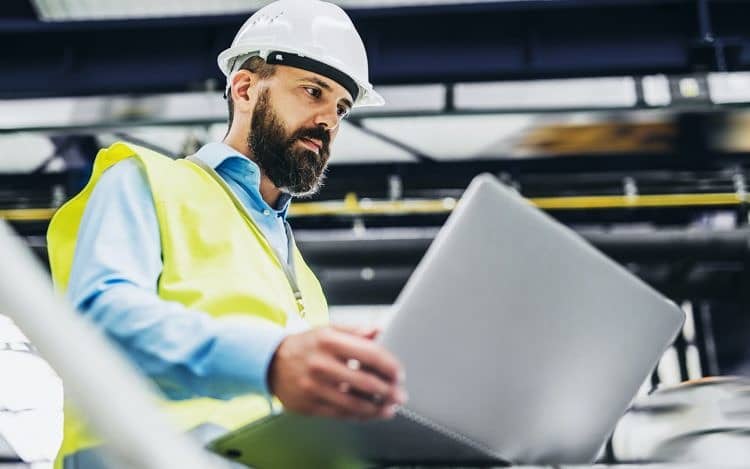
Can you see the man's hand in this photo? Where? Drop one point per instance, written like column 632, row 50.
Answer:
column 337, row 372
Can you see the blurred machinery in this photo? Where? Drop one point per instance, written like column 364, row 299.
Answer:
column 31, row 401
column 702, row 420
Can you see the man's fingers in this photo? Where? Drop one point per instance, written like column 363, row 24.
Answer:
column 369, row 354
column 348, row 377
column 336, row 373
column 346, row 403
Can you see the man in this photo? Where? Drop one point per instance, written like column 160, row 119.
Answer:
column 190, row 266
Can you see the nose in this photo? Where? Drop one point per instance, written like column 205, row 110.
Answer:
column 328, row 118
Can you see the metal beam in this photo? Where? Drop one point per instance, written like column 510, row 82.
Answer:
column 490, row 41
column 444, row 206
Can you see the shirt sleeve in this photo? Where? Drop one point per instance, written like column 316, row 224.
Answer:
column 113, row 282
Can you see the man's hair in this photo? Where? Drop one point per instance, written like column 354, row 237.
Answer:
column 257, row 65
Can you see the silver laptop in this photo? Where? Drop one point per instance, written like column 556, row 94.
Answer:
column 521, row 343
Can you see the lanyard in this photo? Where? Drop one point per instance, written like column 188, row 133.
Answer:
column 288, row 268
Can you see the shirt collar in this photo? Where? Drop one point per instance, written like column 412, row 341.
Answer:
column 214, row 154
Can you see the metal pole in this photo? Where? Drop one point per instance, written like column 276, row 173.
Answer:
column 707, row 35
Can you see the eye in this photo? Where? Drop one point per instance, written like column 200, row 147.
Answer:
column 314, row 92
column 343, row 112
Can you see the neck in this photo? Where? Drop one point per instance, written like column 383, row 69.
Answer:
column 268, row 191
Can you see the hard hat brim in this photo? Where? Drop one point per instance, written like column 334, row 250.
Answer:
column 365, row 94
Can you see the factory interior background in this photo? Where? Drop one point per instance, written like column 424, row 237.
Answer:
column 627, row 121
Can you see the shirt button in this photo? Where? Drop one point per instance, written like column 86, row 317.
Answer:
column 266, row 212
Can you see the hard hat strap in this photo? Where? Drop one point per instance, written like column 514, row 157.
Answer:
column 311, row 65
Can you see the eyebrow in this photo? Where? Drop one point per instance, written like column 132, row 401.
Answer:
column 326, row 87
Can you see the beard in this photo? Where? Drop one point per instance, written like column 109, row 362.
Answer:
column 297, row 171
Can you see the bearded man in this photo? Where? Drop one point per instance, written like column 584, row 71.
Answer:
column 190, row 266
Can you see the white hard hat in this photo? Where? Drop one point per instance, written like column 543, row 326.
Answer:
column 310, row 34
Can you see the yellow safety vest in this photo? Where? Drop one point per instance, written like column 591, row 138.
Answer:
column 215, row 260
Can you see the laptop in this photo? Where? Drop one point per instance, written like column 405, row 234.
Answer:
column 522, row 344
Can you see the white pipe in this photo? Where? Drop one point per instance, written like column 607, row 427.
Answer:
column 117, row 402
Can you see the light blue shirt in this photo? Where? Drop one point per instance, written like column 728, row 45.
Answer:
column 116, row 270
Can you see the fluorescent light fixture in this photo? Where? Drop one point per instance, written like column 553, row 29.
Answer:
column 410, row 98
column 656, row 90
column 455, row 137
column 615, row 92
column 189, row 106
column 22, row 152
column 729, row 88
column 62, row 10
column 103, row 110
column 353, row 146
column 172, row 139
column 23, row 113
column 405, row 3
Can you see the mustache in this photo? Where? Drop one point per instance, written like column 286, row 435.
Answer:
column 316, row 133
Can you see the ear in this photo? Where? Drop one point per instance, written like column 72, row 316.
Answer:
column 243, row 89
